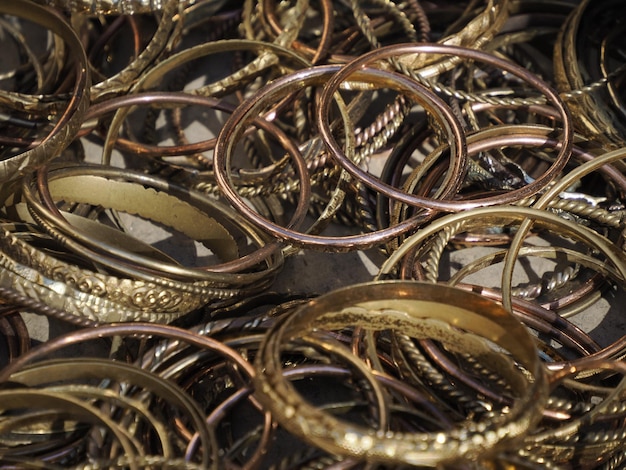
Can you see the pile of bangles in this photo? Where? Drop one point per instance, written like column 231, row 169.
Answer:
column 164, row 162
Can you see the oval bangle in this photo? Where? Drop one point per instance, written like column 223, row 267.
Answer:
column 70, row 120
column 411, row 307
column 160, row 191
column 400, row 50
column 235, row 126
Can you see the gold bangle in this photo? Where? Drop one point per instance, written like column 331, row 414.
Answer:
column 65, row 128
column 422, row 310
column 110, row 7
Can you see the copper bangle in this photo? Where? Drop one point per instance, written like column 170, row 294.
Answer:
column 403, row 50
column 235, row 126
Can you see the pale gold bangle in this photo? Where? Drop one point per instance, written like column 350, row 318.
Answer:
column 71, row 117
column 422, row 310
column 110, row 7
column 153, row 299
column 123, row 80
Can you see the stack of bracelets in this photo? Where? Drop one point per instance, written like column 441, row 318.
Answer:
column 165, row 163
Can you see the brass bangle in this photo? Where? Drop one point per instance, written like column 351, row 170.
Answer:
column 138, row 374
column 195, row 206
column 521, row 215
column 541, row 203
column 575, row 437
column 413, row 307
column 69, row 121
column 153, row 299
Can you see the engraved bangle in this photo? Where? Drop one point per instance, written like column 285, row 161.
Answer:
column 408, row 306
column 148, row 297
column 71, row 117
column 197, row 207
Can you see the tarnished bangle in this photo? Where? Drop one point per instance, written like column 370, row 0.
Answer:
column 143, row 384
column 123, row 80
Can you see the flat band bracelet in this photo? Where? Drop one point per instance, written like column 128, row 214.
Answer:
column 196, row 216
column 421, row 310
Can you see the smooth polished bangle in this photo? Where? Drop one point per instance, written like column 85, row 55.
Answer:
column 493, row 137
column 541, row 203
column 141, row 387
column 506, row 214
column 338, row 154
column 235, row 126
column 422, row 310
column 70, row 119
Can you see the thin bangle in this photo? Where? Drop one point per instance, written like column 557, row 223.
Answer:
column 560, row 186
column 411, row 49
column 123, row 80
column 235, row 125
column 70, row 120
